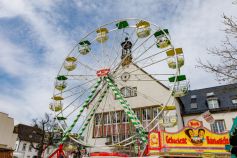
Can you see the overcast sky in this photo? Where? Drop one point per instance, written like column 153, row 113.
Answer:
column 35, row 37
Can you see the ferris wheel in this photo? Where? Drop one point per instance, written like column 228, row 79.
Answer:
column 115, row 71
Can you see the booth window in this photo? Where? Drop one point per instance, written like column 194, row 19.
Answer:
column 218, row 126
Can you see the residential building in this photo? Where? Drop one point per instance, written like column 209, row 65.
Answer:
column 220, row 101
column 26, row 136
column 7, row 135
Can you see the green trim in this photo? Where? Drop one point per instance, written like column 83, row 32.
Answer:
column 61, row 78
column 61, row 118
column 179, row 78
column 85, row 42
column 122, row 24
column 161, row 32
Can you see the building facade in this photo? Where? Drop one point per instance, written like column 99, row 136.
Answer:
column 7, row 135
column 220, row 101
column 111, row 124
column 26, row 136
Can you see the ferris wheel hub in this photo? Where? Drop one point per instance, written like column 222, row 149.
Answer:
column 102, row 72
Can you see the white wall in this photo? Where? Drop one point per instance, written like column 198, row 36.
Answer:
column 19, row 153
column 7, row 137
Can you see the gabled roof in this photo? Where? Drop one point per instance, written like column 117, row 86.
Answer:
column 28, row 133
column 224, row 94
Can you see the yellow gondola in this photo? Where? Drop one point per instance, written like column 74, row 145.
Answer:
column 175, row 55
column 70, row 63
column 143, row 29
column 56, row 106
column 102, row 35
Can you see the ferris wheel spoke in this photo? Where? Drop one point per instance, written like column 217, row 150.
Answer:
column 142, row 67
column 86, row 66
column 77, row 86
column 72, row 103
column 133, row 50
column 115, row 39
column 95, row 58
column 143, row 80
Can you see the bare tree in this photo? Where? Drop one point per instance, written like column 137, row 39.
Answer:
column 226, row 69
column 44, row 132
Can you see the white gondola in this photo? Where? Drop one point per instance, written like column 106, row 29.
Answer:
column 181, row 86
column 60, row 83
column 84, row 47
column 57, row 104
column 162, row 40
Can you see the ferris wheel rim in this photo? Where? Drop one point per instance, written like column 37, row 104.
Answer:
column 172, row 47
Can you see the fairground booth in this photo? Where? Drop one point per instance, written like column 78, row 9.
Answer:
column 194, row 140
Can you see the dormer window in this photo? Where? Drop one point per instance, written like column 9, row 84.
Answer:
column 234, row 101
column 212, row 103
column 193, row 102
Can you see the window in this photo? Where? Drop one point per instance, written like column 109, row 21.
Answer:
column 218, row 126
column 155, row 111
column 116, row 118
column 107, row 118
column 146, row 115
column 137, row 112
column 193, row 102
column 212, row 103
column 30, row 148
column 234, row 101
column 98, row 119
column 129, row 91
column 193, row 105
column 116, row 138
column 24, row 147
column 124, row 117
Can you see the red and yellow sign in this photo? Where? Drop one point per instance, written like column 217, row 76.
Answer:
column 192, row 138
